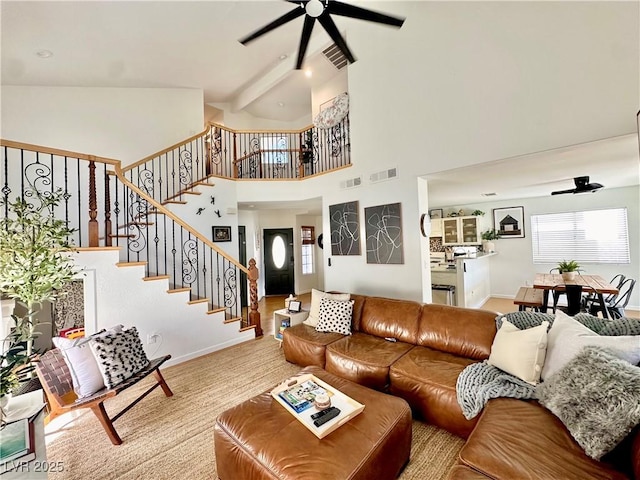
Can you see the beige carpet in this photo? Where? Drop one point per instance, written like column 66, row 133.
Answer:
column 172, row 438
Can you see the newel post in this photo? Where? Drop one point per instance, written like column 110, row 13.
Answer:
column 254, row 314
column 94, row 235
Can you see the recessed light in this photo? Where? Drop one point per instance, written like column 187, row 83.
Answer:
column 283, row 57
column 308, row 73
column 44, row 53
column 281, row 104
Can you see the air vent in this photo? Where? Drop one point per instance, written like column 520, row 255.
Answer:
column 352, row 182
column 335, row 56
column 384, row 175
column 491, row 194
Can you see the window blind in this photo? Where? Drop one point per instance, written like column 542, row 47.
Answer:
column 591, row 236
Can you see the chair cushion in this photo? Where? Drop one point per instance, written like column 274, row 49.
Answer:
column 364, row 359
column 426, row 378
column 514, row 437
column 304, row 345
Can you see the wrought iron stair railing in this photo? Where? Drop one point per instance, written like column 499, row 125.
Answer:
column 105, row 209
column 258, row 155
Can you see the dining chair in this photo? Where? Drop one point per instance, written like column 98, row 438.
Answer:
column 589, row 298
column 617, row 304
column 557, row 293
column 574, row 299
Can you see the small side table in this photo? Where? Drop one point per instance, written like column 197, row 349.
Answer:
column 283, row 319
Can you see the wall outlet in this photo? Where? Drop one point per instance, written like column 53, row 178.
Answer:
column 152, row 338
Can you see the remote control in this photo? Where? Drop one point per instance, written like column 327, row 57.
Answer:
column 326, row 417
column 321, row 413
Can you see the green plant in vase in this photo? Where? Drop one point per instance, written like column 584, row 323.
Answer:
column 568, row 269
column 488, row 237
column 34, row 265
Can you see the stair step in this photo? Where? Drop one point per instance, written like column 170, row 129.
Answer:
column 131, row 264
column 232, row 319
column 111, row 235
column 199, row 300
column 205, row 183
column 179, row 290
column 250, row 327
column 174, row 202
column 216, row 310
column 159, row 277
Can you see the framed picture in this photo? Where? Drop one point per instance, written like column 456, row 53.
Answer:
column 383, row 225
column 344, row 224
column 221, row 234
column 509, row 222
column 295, row 306
column 436, row 213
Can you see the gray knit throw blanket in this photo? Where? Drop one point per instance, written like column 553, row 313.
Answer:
column 480, row 382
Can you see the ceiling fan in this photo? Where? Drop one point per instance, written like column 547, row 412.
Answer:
column 322, row 11
column 582, row 186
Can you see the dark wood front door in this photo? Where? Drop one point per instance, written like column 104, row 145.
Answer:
column 278, row 261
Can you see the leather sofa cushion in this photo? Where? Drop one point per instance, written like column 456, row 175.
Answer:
column 260, row 439
column 521, row 439
column 385, row 317
column 304, row 346
column 426, row 378
column 466, row 332
column 462, row 472
column 364, row 359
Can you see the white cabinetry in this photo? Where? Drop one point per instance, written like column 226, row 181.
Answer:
column 436, row 227
column 460, row 231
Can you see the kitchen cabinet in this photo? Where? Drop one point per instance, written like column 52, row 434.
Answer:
column 436, row 227
column 460, row 231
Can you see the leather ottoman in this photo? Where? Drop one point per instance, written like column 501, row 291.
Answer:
column 259, row 439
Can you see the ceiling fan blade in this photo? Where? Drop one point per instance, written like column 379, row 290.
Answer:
column 561, row 192
column 309, row 22
column 346, row 10
column 286, row 18
column 332, row 30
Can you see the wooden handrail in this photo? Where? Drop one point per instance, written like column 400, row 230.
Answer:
column 217, row 125
column 56, row 151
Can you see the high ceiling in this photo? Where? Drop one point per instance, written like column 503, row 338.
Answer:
column 195, row 45
column 167, row 44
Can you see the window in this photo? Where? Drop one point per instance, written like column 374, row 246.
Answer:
column 275, row 149
column 592, row 236
column 308, row 240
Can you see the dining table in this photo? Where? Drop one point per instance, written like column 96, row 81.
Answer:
column 590, row 284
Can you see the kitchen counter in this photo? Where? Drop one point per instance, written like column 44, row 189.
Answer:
column 477, row 256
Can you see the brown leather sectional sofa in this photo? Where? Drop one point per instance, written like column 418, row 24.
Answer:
column 416, row 351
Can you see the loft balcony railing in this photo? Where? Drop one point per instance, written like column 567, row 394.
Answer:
column 259, row 155
column 104, row 209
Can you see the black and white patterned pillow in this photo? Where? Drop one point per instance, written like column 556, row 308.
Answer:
column 335, row 316
column 119, row 356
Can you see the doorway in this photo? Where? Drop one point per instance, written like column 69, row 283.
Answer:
column 278, row 261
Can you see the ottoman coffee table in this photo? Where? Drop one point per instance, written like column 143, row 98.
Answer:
column 260, row 439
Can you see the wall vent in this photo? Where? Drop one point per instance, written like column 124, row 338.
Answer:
column 352, row 182
column 383, row 175
column 335, row 56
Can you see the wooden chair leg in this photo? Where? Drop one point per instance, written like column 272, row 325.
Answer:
column 165, row 388
column 106, row 422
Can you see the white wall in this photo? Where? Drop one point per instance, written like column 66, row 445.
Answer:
column 121, row 296
column 245, row 121
column 125, row 124
column 513, row 267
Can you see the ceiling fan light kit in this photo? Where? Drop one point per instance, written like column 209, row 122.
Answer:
column 322, row 11
column 582, row 186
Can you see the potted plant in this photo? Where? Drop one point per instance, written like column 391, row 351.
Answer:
column 568, row 269
column 34, row 265
column 487, row 240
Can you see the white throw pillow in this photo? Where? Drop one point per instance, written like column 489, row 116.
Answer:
column 316, row 296
column 85, row 374
column 335, row 316
column 520, row 352
column 567, row 337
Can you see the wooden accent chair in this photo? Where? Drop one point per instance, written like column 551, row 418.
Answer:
column 56, row 380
